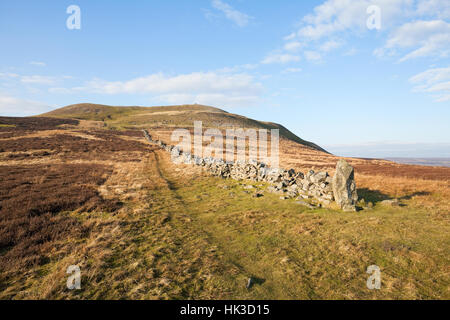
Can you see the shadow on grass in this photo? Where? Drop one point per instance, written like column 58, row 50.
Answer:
column 373, row 196
column 376, row 196
column 255, row 281
column 410, row 196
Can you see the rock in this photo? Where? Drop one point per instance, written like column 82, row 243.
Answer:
column 349, row 208
column 249, row 283
column 344, row 186
column 328, row 197
column 291, row 194
column 280, row 185
column 392, row 203
column 306, row 185
column 319, row 177
column 299, row 176
column 283, row 198
column 175, row 152
column 285, row 260
column 324, row 202
column 305, row 204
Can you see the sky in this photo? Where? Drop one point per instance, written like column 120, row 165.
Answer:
column 367, row 78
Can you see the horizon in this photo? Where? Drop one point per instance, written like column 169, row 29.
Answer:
column 315, row 68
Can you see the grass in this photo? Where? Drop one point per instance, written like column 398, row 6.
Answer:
column 305, row 254
column 192, row 236
column 180, row 234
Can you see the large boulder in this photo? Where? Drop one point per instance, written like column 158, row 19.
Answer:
column 319, row 177
column 344, row 186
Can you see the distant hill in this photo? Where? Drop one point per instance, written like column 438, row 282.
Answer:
column 168, row 116
column 439, row 162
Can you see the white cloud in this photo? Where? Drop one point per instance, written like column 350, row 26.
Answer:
column 330, row 45
column 292, row 70
column 438, row 8
column 280, row 58
column 435, row 81
column 335, row 16
column 344, row 18
column 428, row 38
column 197, row 81
column 216, row 88
column 31, row 79
column 432, row 76
column 11, row 106
column 290, row 37
column 292, row 46
column 37, row 79
column 8, row 75
column 239, row 18
column 350, row 52
column 238, row 68
column 443, row 98
column 313, row 56
column 38, row 63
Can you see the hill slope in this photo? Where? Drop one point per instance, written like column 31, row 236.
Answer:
column 142, row 227
column 134, row 117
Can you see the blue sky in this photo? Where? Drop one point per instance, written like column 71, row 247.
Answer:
column 313, row 66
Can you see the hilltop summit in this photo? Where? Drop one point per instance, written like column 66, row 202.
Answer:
column 169, row 117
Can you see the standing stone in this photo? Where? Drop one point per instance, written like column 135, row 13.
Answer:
column 344, row 187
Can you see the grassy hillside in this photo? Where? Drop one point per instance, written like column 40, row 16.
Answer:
column 156, row 230
column 170, row 116
column 141, row 227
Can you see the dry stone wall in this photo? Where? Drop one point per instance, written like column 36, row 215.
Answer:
column 313, row 186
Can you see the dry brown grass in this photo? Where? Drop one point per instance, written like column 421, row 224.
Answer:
column 32, row 196
column 49, row 168
column 50, row 133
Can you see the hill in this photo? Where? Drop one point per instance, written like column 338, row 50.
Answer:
column 139, row 226
column 134, row 117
